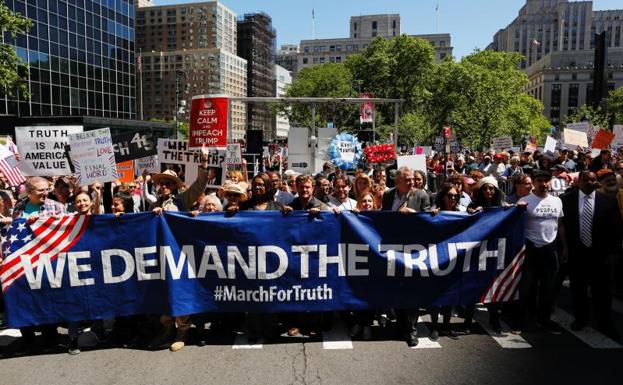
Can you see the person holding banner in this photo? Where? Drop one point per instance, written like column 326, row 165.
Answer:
column 169, row 200
column 340, row 199
column 281, row 195
column 361, row 185
column 405, row 199
column 36, row 205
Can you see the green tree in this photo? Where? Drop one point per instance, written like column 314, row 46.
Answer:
column 615, row 105
column 12, row 68
column 326, row 80
column 598, row 117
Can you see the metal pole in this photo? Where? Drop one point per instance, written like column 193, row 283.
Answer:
column 229, row 127
column 396, row 118
column 177, row 107
column 313, row 134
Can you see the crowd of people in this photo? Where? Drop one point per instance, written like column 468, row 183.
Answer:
column 574, row 207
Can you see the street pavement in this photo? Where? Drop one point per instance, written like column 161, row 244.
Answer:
column 534, row 357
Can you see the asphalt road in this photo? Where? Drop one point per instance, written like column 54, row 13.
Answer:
column 534, row 357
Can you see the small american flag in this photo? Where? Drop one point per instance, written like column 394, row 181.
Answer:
column 504, row 287
column 41, row 242
column 9, row 167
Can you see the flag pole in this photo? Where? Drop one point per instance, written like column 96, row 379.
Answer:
column 140, row 78
column 313, row 24
column 437, row 11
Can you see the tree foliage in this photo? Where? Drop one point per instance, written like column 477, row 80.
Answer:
column 615, row 105
column 596, row 116
column 12, row 67
column 481, row 96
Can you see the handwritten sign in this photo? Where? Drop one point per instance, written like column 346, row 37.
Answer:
column 177, row 156
column 502, row 142
column 125, row 171
column 618, row 136
column 575, row 138
column 93, row 156
column 602, row 139
column 550, row 145
column 147, row 164
column 43, row 149
column 234, row 154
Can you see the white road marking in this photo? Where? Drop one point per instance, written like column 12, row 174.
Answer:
column 506, row 340
column 588, row 335
column 337, row 338
column 242, row 342
column 423, row 333
column 617, row 306
column 10, row 333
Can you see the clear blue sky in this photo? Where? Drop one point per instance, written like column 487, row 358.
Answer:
column 471, row 23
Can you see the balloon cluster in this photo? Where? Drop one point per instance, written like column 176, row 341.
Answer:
column 336, row 153
column 380, row 153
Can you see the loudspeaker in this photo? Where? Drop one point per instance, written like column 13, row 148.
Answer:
column 254, row 142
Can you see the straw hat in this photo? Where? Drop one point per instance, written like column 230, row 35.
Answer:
column 236, row 188
column 170, row 175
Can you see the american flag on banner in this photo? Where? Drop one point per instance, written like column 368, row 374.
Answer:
column 10, row 167
column 504, row 287
column 41, row 242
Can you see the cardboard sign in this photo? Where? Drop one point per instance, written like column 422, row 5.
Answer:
column 208, row 121
column 439, row 143
column 531, row 147
column 147, row 164
column 502, row 142
column 602, row 139
column 133, row 145
column 125, row 171
column 234, row 154
column 177, row 156
column 42, row 149
column 550, row 145
column 575, row 138
column 455, row 147
column 93, row 156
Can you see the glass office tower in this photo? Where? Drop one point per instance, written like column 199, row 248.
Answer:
column 80, row 56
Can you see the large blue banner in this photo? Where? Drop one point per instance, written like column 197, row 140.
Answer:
column 93, row 267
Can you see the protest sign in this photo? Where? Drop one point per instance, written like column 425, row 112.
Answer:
column 618, row 136
column 602, row 139
column 581, row 126
column 125, row 171
column 234, row 154
column 366, row 109
column 133, row 145
column 208, row 121
column 177, row 156
column 42, row 149
column 439, row 143
column 93, row 156
column 148, row 164
column 550, row 145
column 575, row 138
column 414, row 162
column 264, row 261
column 423, row 150
column 502, row 143
column 380, row 153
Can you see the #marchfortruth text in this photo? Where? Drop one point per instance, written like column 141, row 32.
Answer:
column 272, row 294
column 261, row 262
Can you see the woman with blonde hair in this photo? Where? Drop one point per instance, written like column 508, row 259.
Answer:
column 361, row 184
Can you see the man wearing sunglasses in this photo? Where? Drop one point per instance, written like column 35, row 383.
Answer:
column 169, row 200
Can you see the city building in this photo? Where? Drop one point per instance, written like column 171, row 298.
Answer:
column 557, row 40
column 256, row 44
column 283, row 78
column 363, row 29
column 189, row 49
column 563, row 81
column 286, row 57
column 80, row 57
column 143, row 3
column 545, row 26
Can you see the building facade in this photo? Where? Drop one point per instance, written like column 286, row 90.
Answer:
column 363, row 29
column 563, row 81
column 256, row 44
column 283, row 79
column 545, row 26
column 80, row 58
column 189, row 49
column 286, row 57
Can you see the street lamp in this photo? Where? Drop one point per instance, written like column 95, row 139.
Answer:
column 177, row 98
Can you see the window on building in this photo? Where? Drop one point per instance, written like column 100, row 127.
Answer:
column 305, row 60
column 574, row 91
column 355, row 27
column 556, row 95
column 442, row 43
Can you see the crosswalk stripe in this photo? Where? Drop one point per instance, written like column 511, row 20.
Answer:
column 242, row 342
column 337, row 338
column 588, row 335
column 423, row 333
column 506, row 340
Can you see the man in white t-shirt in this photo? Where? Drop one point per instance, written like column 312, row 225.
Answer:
column 340, row 199
column 541, row 261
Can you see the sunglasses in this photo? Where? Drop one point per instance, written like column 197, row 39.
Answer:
column 453, row 196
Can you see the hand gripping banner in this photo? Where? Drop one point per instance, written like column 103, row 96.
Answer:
column 96, row 267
